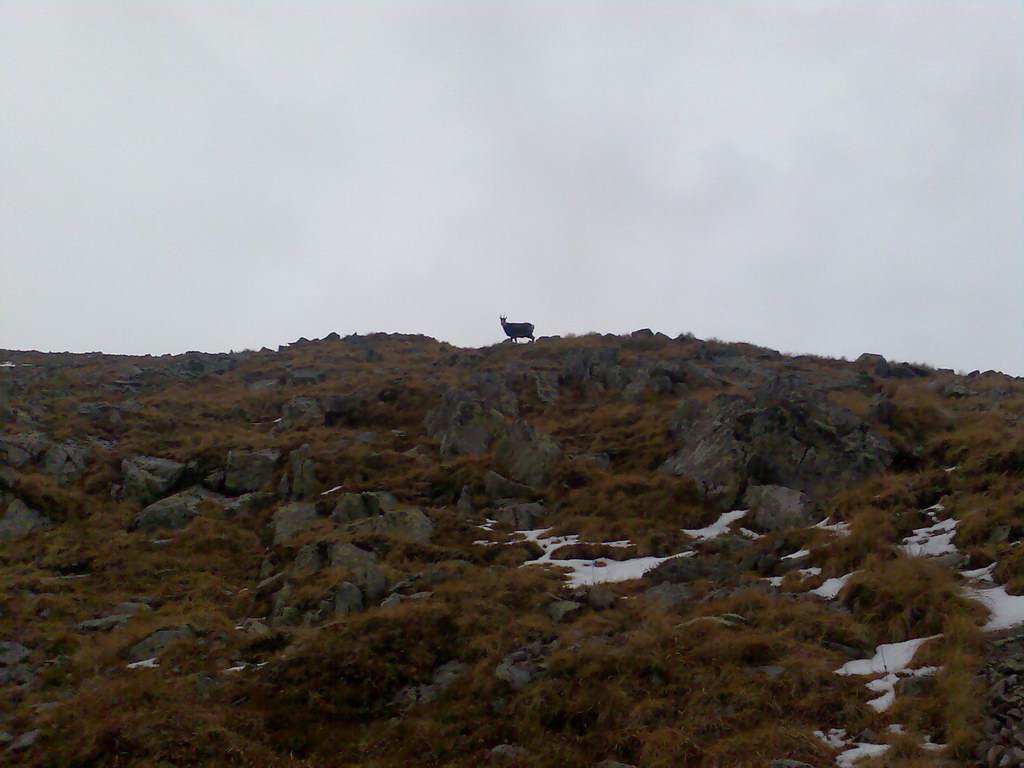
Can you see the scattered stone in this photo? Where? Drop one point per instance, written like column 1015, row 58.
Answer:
column 104, row 623
column 155, row 644
column 291, row 519
column 25, row 741
column 351, row 507
column 498, row 487
column 403, row 524
column 509, row 753
column 146, row 479
column 521, row 517
column 249, row 470
column 174, row 512
column 18, row 450
column 300, row 481
column 668, row 596
column 776, row 507
column 526, row 455
column 66, row 461
column 348, row 598
column 19, row 519
column 362, row 565
column 464, row 423
column 560, row 611
column 302, row 412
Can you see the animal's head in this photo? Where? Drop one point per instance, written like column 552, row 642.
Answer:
column 503, row 318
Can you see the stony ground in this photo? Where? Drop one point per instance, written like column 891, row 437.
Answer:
column 620, row 551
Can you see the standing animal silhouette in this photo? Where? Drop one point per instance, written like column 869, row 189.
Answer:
column 517, row 330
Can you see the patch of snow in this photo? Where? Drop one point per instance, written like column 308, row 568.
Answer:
column 751, row 534
column 951, row 469
column 831, row 587
column 598, row 571
column 8, row 364
column 890, row 657
column 840, row 528
column 332, row 490
column 776, row 581
column 835, row 738
column 717, row 528
column 886, row 685
column 1007, row 610
column 979, row 573
column 238, row 668
column 795, row 555
column 931, row 541
column 488, row 524
column 144, row 664
column 858, row 752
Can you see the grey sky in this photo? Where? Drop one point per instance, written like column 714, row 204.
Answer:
column 826, row 177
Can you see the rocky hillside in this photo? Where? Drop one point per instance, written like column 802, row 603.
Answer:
column 594, row 551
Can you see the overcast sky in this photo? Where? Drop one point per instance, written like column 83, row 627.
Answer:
column 824, row 177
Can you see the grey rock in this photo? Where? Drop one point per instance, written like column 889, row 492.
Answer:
column 291, row 519
column 668, row 596
column 351, row 507
column 66, row 461
column 526, row 455
column 493, row 388
column 148, row 478
column 679, row 570
column 508, row 754
column 593, row 368
column 248, row 503
column 598, row 598
column 155, row 644
column 464, row 423
column 790, row 434
column 18, row 450
column 954, row 390
column 362, row 565
column 600, row 461
column 304, row 376
column 13, row 653
column 464, row 506
column 25, row 741
column 19, row 519
column 688, row 412
column 563, row 610
column 348, row 598
column 499, row 487
column 302, row 412
column 308, row 562
column 547, row 386
column 249, row 470
column 411, row 525
column 18, row 675
column 104, row 623
column 300, row 481
column 777, row 507
column 521, row 516
column 174, row 512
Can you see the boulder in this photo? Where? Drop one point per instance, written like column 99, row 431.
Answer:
column 308, row 562
column 66, row 461
column 547, row 386
column 302, row 412
column 499, row 487
column 668, row 596
column 348, row 598
column 19, row 519
column 291, row 519
column 411, row 525
column 148, row 478
column 13, row 653
column 304, row 376
column 249, row 470
column 492, row 388
column 155, row 644
column 526, row 455
column 362, row 565
column 521, row 517
column 464, row 423
column 174, row 512
column 352, row 507
column 18, row 450
column 300, row 480
column 776, row 507
column 560, row 611
column 591, row 367
column 790, row 434
column 679, row 570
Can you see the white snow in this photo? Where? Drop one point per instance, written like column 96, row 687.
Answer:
column 1007, row 610
column 776, row 581
column 886, row 685
column 238, row 668
column 859, row 752
column 831, row 587
column 979, row 573
column 332, row 490
column 890, row 657
column 144, row 664
column 717, row 528
column 598, row 571
column 8, row 364
column 840, row 528
column 795, row 555
column 931, row 541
